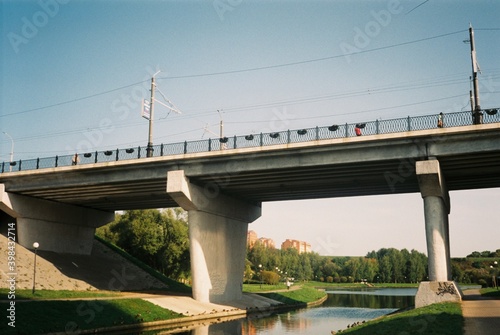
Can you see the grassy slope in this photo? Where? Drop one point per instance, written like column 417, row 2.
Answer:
column 300, row 296
column 436, row 319
column 38, row 317
column 61, row 294
column 172, row 284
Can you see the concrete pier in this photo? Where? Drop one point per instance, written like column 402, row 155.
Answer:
column 218, row 227
column 55, row 226
column 436, row 209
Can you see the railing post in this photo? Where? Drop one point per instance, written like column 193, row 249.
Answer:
column 234, row 144
column 95, row 159
column 261, row 140
column 288, row 136
column 117, row 151
column 209, row 144
column 346, row 130
column 161, row 149
column 185, row 147
column 20, row 162
column 37, row 163
column 138, row 152
column 377, row 129
column 317, row 133
column 409, row 123
column 3, row 167
column 57, row 161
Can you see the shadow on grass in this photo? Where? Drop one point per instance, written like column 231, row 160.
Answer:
column 40, row 317
column 437, row 319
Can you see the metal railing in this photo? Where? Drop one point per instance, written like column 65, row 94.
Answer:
column 256, row 140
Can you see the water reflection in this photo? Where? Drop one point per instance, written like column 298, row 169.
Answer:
column 382, row 298
column 342, row 308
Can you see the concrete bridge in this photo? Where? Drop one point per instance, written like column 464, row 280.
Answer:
column 222, row 189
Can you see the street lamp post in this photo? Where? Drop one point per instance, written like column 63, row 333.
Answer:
column 494, row 274
column 35, row 245
column 260, row 273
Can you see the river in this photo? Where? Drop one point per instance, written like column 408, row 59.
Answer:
column 342, row 308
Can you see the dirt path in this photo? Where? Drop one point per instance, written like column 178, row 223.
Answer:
column 482, row 315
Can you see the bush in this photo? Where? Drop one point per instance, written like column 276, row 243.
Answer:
column 270, row 277
column 482, row 282
column 329, row 279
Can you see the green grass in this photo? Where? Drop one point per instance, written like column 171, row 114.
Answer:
column 61, row 294
column 303, row 295
column 37, row 317
column 490, row 292
column 256, row 288
column 173, row 285
column 436, row 319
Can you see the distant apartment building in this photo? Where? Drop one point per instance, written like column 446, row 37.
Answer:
column 267, row 242
column 252, row 238
column 300, row 246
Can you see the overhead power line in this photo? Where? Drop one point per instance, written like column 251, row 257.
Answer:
column 312, row 60
column 73, row 100
column 247, row 70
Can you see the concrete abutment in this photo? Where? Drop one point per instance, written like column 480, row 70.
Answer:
column 55, row 226
column 218, row 226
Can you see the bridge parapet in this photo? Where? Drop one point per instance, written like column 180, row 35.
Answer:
column 333, row 131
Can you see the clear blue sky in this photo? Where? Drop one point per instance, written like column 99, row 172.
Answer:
column 74, row 73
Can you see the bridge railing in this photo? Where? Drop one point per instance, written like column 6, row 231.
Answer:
column 255, row 140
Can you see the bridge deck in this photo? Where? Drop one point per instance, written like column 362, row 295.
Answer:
column 355, row 166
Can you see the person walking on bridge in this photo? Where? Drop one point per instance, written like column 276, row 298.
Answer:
column 440, row 120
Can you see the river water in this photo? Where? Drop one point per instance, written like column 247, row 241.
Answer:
column 342, row 308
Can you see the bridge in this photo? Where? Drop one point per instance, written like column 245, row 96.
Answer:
column 59, row 201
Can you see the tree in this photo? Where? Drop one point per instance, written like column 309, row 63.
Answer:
column 329, row 268
column 352, row 269
column 158, row 238
column 385, row 269
column 416, row 266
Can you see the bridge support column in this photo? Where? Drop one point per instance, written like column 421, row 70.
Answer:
column 218, row 226
column 436, row 209
column 55, row 226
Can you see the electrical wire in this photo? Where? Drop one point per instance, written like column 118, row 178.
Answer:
column 246, row 70
column 73, row 100
column 313, row 60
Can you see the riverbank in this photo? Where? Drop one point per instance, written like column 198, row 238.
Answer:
column 141, row 311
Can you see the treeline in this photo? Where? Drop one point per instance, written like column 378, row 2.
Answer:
column 159, row 238
column 385, row 265
column 477, row 267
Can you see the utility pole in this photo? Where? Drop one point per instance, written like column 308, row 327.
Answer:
column 11, row 149
column 221, row 125
column 149, row 149
column 477, row 116
column 221, row 130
